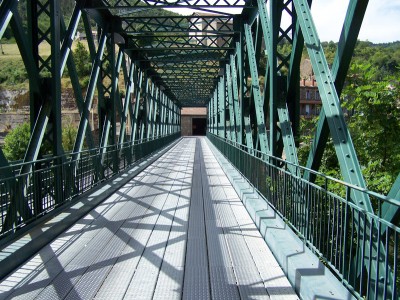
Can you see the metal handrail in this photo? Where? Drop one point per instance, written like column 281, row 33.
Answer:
column 28, row 196
column 346, row 238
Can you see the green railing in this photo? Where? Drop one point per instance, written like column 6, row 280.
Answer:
column 360, row 247
column 53, row 181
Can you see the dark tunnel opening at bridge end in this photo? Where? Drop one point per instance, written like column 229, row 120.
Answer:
column 199, row 126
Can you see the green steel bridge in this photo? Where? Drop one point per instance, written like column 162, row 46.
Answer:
column 136, row 211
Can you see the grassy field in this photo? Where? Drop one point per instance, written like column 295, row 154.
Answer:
column 11, row 51
column 13, row 75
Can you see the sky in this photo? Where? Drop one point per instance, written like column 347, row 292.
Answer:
column 381, row 22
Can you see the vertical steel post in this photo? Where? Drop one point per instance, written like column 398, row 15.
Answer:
column 274, row 25
column 221, row 104
column 55, row 25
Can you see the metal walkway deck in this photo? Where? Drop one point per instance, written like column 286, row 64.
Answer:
column 177, row 230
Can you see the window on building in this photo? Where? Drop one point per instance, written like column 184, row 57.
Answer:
column 307, row 109
column 308, row 94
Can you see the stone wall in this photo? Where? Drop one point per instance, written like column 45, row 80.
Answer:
column 14, row 110
column 186, row 125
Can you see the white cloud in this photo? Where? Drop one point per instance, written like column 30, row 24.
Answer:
column 328, row 17
column 381, row 21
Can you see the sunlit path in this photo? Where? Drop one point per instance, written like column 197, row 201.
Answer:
column 178, row 229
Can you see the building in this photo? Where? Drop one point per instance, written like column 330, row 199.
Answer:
column 193, row 121
column 310, row 100
column 207, row 29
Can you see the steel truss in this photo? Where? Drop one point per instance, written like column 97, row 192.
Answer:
column 143, row 113
column 146, row 66
column 265, row 117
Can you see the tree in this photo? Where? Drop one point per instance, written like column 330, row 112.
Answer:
column 16, row 142
column 374, row 123
column 69, row 133
column 372, row 110
column 82, row 62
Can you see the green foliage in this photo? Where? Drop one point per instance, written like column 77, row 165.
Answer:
column 16, row 142
column 329, row 50
column 374, row 123
column 284, row 48
column 83, row 63
column 69, row 134
column 13, row 72
column 329, row 162
column 371, row 103
column 66, row 6
column 82, row 59
column 307, row 126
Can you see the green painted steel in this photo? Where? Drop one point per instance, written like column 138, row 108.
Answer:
column 277, row 83
column 390, row 211
column 138, row 81
column 229, row 83
column 127, row 108
column 215, row 101
column 348, row 39
column 84, row 121
column 6, row 12
column 345, row 151
column 221, row 107
column 334, row 232
column 236, row 105
column 208, row 58
column 84, row 178
column 260, row 127
column 149, row 119
column 56, row 66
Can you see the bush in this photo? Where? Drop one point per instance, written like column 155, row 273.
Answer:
column 16, row 142
column 69, row 133
column 82, row 60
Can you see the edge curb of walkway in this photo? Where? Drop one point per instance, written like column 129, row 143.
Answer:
column 73, row 211
column 310, row 278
